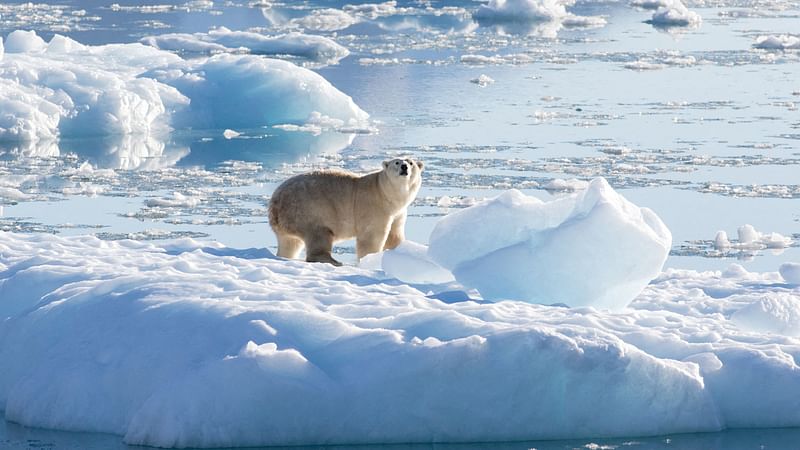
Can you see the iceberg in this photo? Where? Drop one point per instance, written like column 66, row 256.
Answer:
column 63, row 89
column 594, row 248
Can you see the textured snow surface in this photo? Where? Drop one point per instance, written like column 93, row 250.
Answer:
column 66, row 89
column 186, row 345
column 593, row 248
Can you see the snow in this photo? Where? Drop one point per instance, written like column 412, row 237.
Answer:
column 675, row 14
column 771, row 313
column 66, row 89
column 777, row 42
column 790, row 272
column 408, row 262
column 594, row 248
column 319, row 49
column 195, row 344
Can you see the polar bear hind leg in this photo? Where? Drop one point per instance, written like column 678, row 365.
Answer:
column 319, row 245
column 289, row 246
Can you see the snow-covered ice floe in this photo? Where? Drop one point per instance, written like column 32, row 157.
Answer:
column 317, row 49
column 533, row 11
column 66, row 89
column 594, row 248
column 675, row 14
column 194, row 344
column 778, row 42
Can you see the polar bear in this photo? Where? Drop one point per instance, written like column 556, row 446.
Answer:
column 319, row 208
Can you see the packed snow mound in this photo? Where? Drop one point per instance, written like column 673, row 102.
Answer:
column 594, row 248
column 314, row 48
column 130, row 338
column 790, row 272
column 675, row 14
column 408, row 262
column 771, row 313
column 778, row 42
column 66, row 89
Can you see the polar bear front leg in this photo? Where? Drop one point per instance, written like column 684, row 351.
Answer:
column 397, row 232
column 371, row 239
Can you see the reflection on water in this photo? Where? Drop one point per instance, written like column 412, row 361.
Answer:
column 13, row 436
column 270, row 147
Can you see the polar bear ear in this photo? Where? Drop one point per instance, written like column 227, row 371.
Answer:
column 386, row 164
column 421, row 165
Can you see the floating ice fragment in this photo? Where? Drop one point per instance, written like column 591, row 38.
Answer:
column 482, row 80
column 777, row 42
column 675, row 14
column 230, row 134
column 747, row 234
column 520, row 11
column 325, row 20
column 176, row 200
column 374, row 10
column 651, row 4
column 561, row 185
column 721, row 241
column 312, row 47
column 594, row 248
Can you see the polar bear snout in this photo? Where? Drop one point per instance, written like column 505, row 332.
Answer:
column 404, row 169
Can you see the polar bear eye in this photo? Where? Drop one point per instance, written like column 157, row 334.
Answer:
column 396, row 163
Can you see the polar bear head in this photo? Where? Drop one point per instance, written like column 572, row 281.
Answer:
column 404, row 175
column 404, row 167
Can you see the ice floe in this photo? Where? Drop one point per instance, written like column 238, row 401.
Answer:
column 778, row 42
column 327, row 19
column 135, row 339
column 539, row 17
column 748, row 243
column 318, row 49
column 66, row 89
column 675, row 14
column 515, row 246
column 750, row 239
